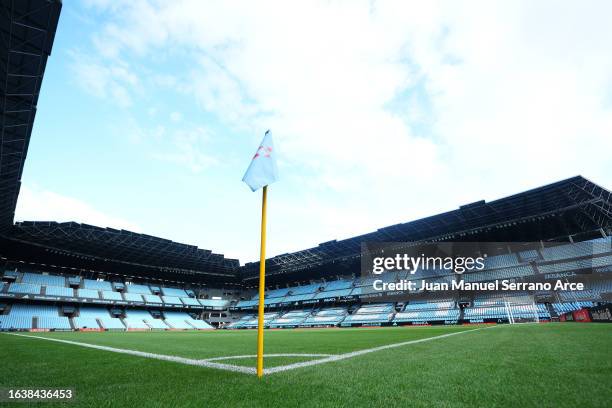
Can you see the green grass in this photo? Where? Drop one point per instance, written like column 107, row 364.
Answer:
column 551, row 365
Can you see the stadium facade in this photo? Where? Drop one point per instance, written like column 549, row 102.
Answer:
column 69, row 276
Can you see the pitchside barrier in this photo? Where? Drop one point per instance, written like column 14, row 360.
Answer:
column 598, row 314
column 601, row 314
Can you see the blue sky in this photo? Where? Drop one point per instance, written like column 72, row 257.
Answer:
column 382, row 112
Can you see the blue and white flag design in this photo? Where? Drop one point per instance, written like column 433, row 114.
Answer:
column 262, row 170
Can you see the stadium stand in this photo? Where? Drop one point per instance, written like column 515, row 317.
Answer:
column 529, row 255
column 505, row 308
column 152, row 299
column 301, row 290
column 570, row 306
column 425, row 312
column 10, row 274
column 326, row 317
column 27, row 288
column 294, row 319
column 174, row 292
column 85, row 323
column 12, row 322
column 199, row 324
column 251, row 321
column 214, row 303
column 171, row 300
column 275, row 293
column 177, row 320
column 101, row 315
column 578, row 249
column 579, row 264
column 97, row 284
column 182, row 320
column 501, row 273
column 501, row 261
column 43, row 280
column 134, row 297
column 156, row 323
column 59, row 291
column 110, row 295
column 370, row 314
column 74, row 280
column 23, row 309
column 136, row 319
column 46, row 316
column 142, row 289
column 88, row 293
column 330, row 294
column 54, row 322
column 188, row 301
column 240, row 323
column 333, row 293
column 339, row 284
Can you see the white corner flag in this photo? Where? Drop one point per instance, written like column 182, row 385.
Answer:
column 262, row 170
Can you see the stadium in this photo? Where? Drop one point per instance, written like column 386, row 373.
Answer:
column 121, row 318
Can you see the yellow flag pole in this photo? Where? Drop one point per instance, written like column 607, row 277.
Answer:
column 262, row 284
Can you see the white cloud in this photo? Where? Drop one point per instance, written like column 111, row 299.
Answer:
column 399, row 109
column 188, row 148
column 114, row 81
column 37, row 204
column 176, row 116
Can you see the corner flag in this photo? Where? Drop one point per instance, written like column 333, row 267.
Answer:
column 261, row 172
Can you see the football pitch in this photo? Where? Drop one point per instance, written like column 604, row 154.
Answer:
column 464, row 366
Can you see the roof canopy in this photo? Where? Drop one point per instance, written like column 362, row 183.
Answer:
column 27, row 31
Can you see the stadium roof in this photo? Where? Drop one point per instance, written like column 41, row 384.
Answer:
column 569, row 207
column 123, row 246
column 28, row 29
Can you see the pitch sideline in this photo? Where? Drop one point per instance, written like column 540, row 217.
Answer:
column 211, row 362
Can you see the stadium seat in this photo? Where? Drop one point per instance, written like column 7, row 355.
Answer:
column 43, row 280
column 326, row 317
column 174, row 292
column 142, row 289
column 88, row 293
column 152, row 299
column 156, row 323
column 110, row 295
column 59, row 291
column 214, row 303
column 101, row 314
column 10, row 322
column 182, row 320
column 85, row 323
column 54, row 322
column 22, row 309
column 26, row 288
column 190, row 301
column 133, row 297
column 171, row 300
column 294, row 318
column 97, row 285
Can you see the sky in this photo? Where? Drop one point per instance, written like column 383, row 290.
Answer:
column 382, row 113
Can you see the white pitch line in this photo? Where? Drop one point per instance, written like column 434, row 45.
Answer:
column 339, row 357
column 266, row 356
column 209, row 363
column 188, row 361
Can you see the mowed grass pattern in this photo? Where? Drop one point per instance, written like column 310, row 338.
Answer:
column 201, row 345
column 556, row 365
